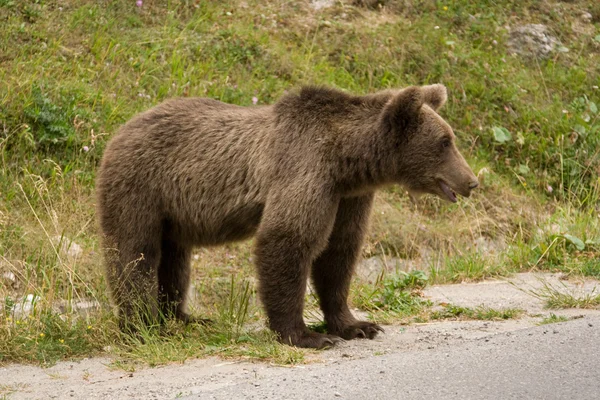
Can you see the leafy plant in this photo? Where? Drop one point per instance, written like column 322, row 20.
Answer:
column 401, row 293
column 50, row 123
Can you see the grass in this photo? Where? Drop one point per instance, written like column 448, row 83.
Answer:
column 558, row 297
column 467, row 268
column 392, row 296
column 72, row 71
column 553, row 319
column 562, row 297
column 480, row 313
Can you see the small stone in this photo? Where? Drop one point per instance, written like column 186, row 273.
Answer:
column 9, row 277
column 337, row 394
column 321, row 4
column 67, row 247
column 586, row 16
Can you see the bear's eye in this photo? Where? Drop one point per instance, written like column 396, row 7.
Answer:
column 446, row 143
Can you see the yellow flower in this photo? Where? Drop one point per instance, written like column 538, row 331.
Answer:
column 89, row 327
column 445, row 8
column 61, row 340
column 42, row 334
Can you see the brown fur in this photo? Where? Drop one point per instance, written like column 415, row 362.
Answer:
column 298, row 175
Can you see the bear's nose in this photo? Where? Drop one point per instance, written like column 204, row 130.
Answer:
column 473, row 184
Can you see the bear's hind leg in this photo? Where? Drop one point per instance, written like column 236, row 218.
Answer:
column 332, row 271
column 132, row 272
column 174, row 279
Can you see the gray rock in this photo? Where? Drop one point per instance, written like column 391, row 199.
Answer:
column 533, row 41
column 369, row 269
column 24, row 306
column 82, row 307
column 321, row 4
column 9, row 279
column 68, row 247
column 586, row 17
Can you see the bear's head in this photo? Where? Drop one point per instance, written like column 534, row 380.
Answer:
column 427, row 159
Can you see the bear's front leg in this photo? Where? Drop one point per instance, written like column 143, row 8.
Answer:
column 293, row 231
column 332, row 271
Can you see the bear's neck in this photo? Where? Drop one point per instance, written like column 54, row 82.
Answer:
column 365, row 162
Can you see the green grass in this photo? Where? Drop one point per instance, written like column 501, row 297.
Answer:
column 480, row 313
column 44, row 336
column 467, row 268
column 562, row 297
column 392, row 297
column 553, row 319
column 72, row 71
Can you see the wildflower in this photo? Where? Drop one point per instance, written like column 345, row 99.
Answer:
column 138, row 3
column 89, row 327
column 61, row 340
column 86, row 149
column 254, row 100
column 549, row 189
column 445, row 8
column 436, row 27
column 42, row 334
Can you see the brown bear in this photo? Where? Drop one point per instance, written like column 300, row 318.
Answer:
column 298, row 175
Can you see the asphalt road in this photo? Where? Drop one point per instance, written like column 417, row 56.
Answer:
column 556, row 361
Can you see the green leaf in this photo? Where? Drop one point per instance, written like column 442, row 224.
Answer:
column 593, row 107
column 523, row 169
column 580, row 129
column 597, row 38
column 575, row 241
column 501, row 135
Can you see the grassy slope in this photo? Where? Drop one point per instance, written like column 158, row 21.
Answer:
column 72, row 71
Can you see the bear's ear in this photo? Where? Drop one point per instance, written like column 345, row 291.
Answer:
column 403, row 108
column 435, row 96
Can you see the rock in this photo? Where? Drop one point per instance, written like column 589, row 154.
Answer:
column 9, row 278
column 586, row 17
column 321, row 4
column 533, row 41
column 67, row 247
column 369, row 269
column 82, row 307
column 24, row 306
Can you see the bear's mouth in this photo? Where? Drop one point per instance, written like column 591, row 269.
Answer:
column 448, row 192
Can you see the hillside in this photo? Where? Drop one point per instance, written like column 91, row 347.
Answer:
column 71, row 72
